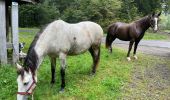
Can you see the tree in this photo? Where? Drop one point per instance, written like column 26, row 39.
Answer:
column 166, row 6
column 128, row 11
column 148, row 6
column 37, row 15
column 100, row 11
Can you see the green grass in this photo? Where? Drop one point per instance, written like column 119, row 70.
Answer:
column 113, row 73
column 32, row 29
column 27, row 36
column 155, row 36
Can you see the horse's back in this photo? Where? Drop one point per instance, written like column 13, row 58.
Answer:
column 93, row 27
column 86, row 34
column 120, row 30
column 71, row 38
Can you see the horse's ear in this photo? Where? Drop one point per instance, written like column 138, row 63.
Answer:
column 19, row 67
column 159, row 13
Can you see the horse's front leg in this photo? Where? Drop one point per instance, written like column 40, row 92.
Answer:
column 135, row 48
column 62, row 58
column 130, row 47
column 53, row 67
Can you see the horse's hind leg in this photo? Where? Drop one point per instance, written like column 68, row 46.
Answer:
column 135, row 48
column 62, row 58
column 130, row 47
column 109, row 40
column 110, row 47
column 53, row 67
column 95, row 53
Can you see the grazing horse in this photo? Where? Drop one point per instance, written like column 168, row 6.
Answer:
column 132, row 32
column 58, row 39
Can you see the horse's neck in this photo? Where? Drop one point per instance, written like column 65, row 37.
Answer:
column 144, row 24
column 32, row 60
column 35, row 52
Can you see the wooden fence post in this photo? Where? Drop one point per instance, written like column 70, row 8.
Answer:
column 3, row 47
column 14, row 26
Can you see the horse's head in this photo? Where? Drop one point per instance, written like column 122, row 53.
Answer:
column 154, row 19
column 26, row 83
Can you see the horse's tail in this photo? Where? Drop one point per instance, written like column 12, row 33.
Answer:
column 110, row 31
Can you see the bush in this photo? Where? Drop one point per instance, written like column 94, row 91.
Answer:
column 72, row 11
column 165, row 22
column 37, row 15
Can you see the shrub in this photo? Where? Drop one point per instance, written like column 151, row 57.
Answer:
column 165, row 22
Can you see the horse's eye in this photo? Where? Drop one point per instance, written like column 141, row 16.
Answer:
column 26, row 83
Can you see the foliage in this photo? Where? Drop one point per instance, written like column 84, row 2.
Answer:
column 128, row 11
column 104, row 12
column 100, row 11
column 31, row 15
column 148, row 6
column 166, row 5
column 165, row 22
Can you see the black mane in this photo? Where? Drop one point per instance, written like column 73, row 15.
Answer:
column 144, row 23
column 143, row 20
column 31, row 60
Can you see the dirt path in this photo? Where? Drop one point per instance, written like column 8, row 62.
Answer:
column 149, row 82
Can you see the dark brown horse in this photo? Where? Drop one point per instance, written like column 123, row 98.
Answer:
column 132, row 32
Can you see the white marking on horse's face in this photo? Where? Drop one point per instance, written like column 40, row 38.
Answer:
column 24, row 82
column 156, row 24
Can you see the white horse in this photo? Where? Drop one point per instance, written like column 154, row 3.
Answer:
column 58, row 39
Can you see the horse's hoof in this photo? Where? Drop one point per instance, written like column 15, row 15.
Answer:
column 61, row 90
column 135, row 57
column 128, row 59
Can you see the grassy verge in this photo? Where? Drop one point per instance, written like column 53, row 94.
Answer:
column 113, row 72
column 155, row 36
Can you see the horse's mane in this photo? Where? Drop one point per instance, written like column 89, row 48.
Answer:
column 31, row 60
column 144, row 19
